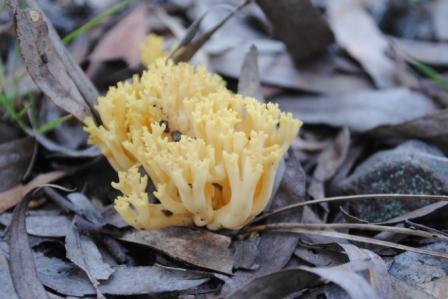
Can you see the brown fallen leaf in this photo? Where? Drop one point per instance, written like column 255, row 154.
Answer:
column 300, row 25
column 123, row 40
column 13, row 196
column 200, row 248
column 49, row 63
column 356, row 31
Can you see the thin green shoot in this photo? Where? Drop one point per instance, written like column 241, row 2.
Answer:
column 3, row 5
column 53, row 124
column 431, row 73
column 95, row 21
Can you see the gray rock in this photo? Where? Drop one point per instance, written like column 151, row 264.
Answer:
column 417, row 269
column 413, row 167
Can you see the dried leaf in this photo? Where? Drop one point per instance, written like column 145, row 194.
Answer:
column 62, row 150
column 356, row 31
column 21, row 261
column 42, row 225
column 13, row 196
column 245, row 253
column 430, row 127
column 354, row 284
column 8, row 132
column 426, row 52
column 249, row 82
column 292, row 190
column 275, row 285
column 282, row 283
column 82, row 251
column 329, row 162
column 277, row 68
column 14, row 159
column 187, row 52
column 123, row 40
column 85, row 208
column 49, row 63
column 300, row 25
column 440, row 11
column 366, row 240
column 360, row 111
column 197, row 247
column 319, row 258
column 8, row 290
column 66, row 279
column 438, row 287
column 378, row 275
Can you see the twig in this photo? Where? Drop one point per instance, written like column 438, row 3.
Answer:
column 352, row 198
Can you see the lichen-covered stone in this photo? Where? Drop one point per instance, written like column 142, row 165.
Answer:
column 413, row 167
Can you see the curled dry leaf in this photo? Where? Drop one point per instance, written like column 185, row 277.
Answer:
column 49, row 63
column 21, row 261
column 378, row 276
column 282, row 283
column 64, row 151
column 82, row 251
column 14, row 195
column 197, row 247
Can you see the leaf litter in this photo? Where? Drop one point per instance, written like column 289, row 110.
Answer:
column 361, row 96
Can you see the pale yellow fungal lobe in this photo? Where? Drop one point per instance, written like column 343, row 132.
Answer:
column 152, row 49
column 212, row 155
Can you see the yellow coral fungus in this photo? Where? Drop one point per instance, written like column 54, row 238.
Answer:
column 152, row 49
column 212, row 155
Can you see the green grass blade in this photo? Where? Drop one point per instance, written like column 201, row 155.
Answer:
column 97, row 20
column 53, row 124
column 431, row 73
